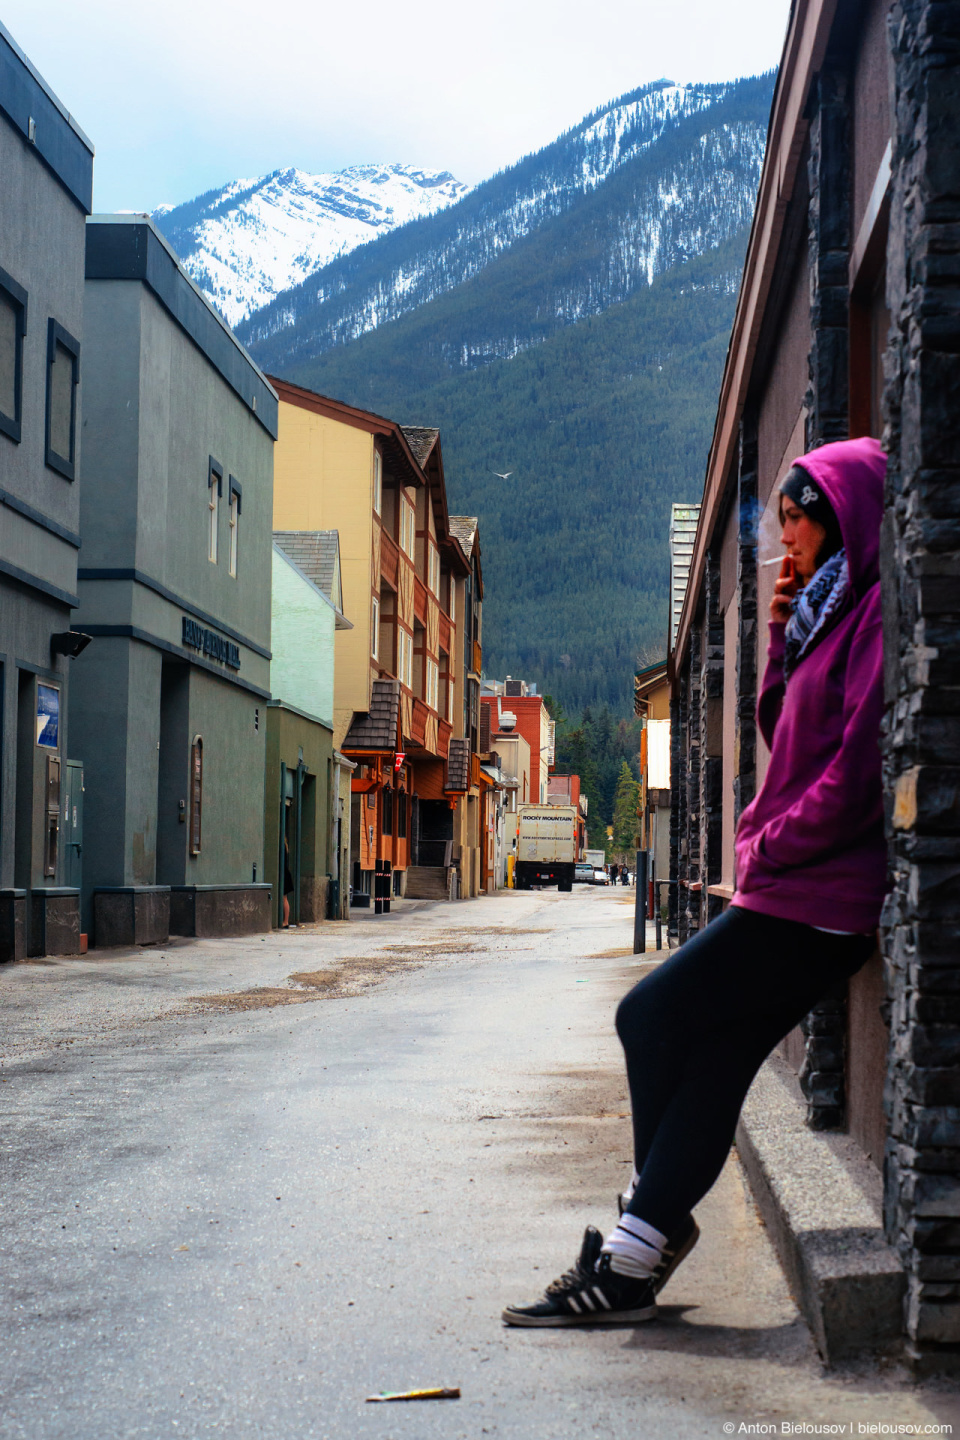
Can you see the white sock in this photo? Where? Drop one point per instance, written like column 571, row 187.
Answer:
column 627, row 1195
column 635, row 1248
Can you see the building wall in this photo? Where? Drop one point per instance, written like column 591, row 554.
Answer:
column 323, row 480
column 303, row 638
column 42, row 220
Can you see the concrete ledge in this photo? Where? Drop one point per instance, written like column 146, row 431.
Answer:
column 220, row 910
column 821, row 1200
column 54, row 920
column 131, row 915
column 13, row 925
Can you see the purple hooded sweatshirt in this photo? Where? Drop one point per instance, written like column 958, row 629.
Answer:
column 810, row 847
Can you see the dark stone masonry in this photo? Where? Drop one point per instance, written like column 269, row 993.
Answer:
column 921, row 578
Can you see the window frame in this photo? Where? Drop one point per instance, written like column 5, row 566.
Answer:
column 12, row 425
column 433, row 684
column 375, row 627
column 405, row 657
column 408, row 521
column 377, row 482
column 235, row 493
column 433, row 569
column 214, row 476
column 65, row 465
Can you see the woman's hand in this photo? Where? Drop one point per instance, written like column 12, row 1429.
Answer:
column 785, row 589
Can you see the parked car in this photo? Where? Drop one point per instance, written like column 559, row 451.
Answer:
column 600, row 877
column 583, row 875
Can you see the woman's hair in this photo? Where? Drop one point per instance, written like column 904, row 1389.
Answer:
column 800, row 487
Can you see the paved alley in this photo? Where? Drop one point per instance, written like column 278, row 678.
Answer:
column 247, row 1183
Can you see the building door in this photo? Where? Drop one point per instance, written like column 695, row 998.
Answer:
column 73, row 825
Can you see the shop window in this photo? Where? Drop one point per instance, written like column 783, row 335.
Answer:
column 214, row 491
column 377, row 482
column 63, row 377
column 13, row 327
column 196, row 794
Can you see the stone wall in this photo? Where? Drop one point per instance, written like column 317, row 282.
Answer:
column 921, row 579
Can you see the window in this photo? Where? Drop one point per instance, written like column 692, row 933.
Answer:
column 214, row 491
column 63, row 376
column 13, row 327
column 408, row 528
column 401, row 815
column 377, row 482
column 236, row 497
column 406, row 659
column 375, row 629
column 433, row 685
column 450, row 699
column 433, row 568
column 387, row 812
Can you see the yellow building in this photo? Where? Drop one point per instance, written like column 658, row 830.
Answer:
column 402, row 682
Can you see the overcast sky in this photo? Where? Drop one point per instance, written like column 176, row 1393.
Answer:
column 182, row 96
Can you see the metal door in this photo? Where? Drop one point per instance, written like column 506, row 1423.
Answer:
column 73, row 824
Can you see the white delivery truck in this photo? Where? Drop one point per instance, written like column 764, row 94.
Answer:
column 546, row 846
column 596, row 858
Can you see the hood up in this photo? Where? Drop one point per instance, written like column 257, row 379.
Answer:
column 851, row 474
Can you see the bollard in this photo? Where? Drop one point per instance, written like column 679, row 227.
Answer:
column 640, row 910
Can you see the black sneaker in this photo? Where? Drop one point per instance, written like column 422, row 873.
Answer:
column 589, row 1294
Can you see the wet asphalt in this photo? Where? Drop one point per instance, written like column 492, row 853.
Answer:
column 242, row 1217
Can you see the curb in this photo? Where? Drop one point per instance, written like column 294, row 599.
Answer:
column 821, row 1200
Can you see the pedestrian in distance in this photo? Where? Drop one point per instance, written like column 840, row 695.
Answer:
column 810, row 882
column 624, row 875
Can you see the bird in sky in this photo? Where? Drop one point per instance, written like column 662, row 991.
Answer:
column 501, row 477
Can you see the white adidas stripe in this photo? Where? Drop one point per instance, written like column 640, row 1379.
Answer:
column 586, row 1300
column 601, row 1297
column 573, row 1305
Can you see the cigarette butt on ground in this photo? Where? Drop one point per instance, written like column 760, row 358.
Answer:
column 439, row 1394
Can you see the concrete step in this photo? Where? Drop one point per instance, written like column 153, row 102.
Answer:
column 821, row 1199
column 427, row 882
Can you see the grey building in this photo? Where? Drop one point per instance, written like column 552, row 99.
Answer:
column 168, row 707
column 46, row 165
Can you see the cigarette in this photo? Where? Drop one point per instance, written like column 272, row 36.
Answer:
column 777, row 560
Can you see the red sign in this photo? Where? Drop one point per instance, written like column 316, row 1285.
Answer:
column 398, row 760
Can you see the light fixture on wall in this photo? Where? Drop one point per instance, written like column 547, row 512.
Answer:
column 69, row 642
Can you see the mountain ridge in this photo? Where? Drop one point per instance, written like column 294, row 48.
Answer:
column 249, row 240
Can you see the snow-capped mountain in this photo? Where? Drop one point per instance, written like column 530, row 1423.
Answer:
column 252, row 239
column 660, row 175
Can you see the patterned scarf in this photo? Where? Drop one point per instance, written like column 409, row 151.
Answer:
column 816, row 609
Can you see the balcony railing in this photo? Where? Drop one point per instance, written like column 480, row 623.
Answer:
column 420, row 600
column 389, row 559
column 418, row 726
column 445, row 633
column 444, row 731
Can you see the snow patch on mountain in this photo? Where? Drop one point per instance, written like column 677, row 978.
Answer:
column 247, row 242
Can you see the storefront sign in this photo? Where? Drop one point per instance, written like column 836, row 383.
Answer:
column 214, row 646
column 48, row 716
column 398, row 760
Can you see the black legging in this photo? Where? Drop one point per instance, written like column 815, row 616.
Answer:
column 697, row 1030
